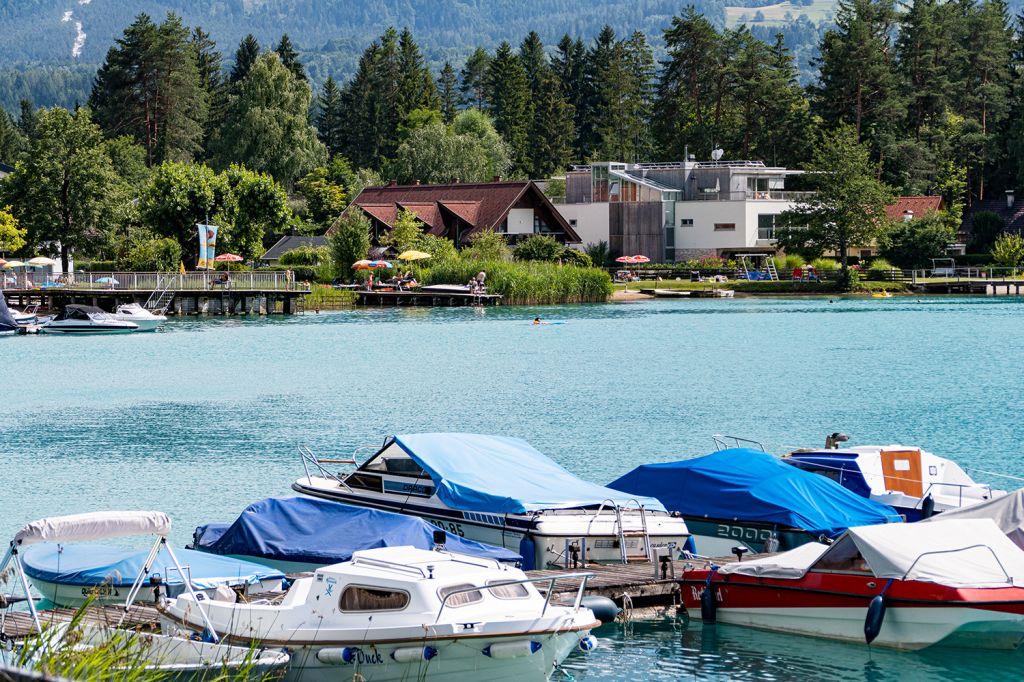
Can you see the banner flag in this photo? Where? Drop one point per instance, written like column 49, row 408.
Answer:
column 207, row 246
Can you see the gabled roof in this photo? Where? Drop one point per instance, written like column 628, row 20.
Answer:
column 918, row 206
column 293, row 241
column 466, row 210
column 428, row 213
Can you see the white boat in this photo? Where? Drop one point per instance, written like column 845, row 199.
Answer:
column 503, row 492
column 401, row 613
column 27, row 316
column 145, row 319
column 84, row 319
column 908, row 478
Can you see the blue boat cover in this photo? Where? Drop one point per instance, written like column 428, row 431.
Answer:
column 841, row 465
column 308, row 530
column 92, row 565
column 504, row 475
column 748, row 485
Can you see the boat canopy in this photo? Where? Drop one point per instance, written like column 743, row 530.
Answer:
column 504, row 475
column 1007, row 511
column 93, row 565
column 94, row 526
column 308, row 530
column 7, row 321
column 748, row 485
column 968, row 553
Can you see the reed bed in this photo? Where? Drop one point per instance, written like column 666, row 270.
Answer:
column 526, row 282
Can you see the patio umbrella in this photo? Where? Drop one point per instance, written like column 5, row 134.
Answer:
column 370, row 264
column 625, row 259
column 413, row 255
column 2, row 262
column 229, row 258
column 42, row 261
column 11, row 264
column 107, row 280
column 641, row 259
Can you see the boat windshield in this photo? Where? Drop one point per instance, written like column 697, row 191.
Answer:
column 842, row 557
column 393, row 460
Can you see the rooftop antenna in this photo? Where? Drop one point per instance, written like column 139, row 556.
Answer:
column 716, row 154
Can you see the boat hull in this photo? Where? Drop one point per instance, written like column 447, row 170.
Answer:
column 144, row 324
column 717, row 537
column 90, row 329
column 73, row 596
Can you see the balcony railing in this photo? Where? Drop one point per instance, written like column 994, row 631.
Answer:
column 247, row 280
column 773, row 195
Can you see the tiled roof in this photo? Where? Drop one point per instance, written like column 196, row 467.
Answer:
column 386, row 213
column 428, row 213
column 293, row 241
column 466, row 210
column 919, row 206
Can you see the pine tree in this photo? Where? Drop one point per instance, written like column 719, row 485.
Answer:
column 246, row 54
column 474, row 78
column 508, row 101
column 416, row 84
column 360, row 141
column 639, row 100
column 600, row 60
column 552, row 130
column 290, row 58
column 535, row 63
column 12, row 142
column 569, row 66
column 209, row 63
column 330, row 117
column 448, row 91
column 26, row 118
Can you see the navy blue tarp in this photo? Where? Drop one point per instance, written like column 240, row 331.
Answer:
column 91, row 565
column 306, row 530
column 748, row 485
column 504, row 475
column 7, row 321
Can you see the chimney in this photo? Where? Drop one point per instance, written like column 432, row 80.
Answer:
column 908, row 215
column 1009, row 198
column 497, row 178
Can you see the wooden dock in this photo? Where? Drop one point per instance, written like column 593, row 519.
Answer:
column 19, row 624
column 424, row 298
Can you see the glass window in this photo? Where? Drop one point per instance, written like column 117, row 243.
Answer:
column 365, row 482
column 766, row 226
column 357, row 598
column 686, row 222
column 670, row 237
column 462, row 598
column 843, row 556
column 724, row 227
column 516, row 591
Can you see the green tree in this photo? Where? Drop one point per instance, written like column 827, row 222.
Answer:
column 181, row 195
column 349, row 241
column 569, row 67
column 27, row 118
column 305, row 255
column 538, row 247
column 290, row 58
column 473, row 79
column 488, row 245
column 1008, row 251
column 552, row 134
column 986, row 226
column 12, row 237
column 210, row 66
column 476, row 123
column 330, row 117
column 912, row 244
column 405, row 233
column 602, row 74
column 448, row 92
column 848, row 206
column 63, row 187
column 437, row 154
column 129, row 162
column 325, row 200
column 245, row 56
column 258, row 211
column 508, row 102
column 440, row 248
column 266, row 126
column 149, row 254
column 12, row 142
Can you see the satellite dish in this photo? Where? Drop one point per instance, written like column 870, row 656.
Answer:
column 716, row 154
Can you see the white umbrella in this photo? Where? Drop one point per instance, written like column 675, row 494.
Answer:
column 42, row 260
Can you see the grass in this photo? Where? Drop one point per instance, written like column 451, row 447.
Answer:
column 322, row 297
column 764, row 287
column 526, row 283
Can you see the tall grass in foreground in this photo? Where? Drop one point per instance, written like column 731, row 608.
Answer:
column 526, row 282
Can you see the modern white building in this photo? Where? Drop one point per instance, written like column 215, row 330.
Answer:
column 677, row 211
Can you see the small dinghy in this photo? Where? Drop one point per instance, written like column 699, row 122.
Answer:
column 296, row 534
column 68, row 575
column 744, row 497
column 906, row 586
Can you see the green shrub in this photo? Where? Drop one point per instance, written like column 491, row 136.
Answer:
column 825, row 264
column 1008, row 250
column 305, row 255
column 785, row 265
column 527, row 282
column 487, row 245
column 349, row 242
column 439, row 248
column 99, row 266
column 571, row 256
column 599, row 254
column 538, row 247
column 303, row 273
column 986, row 226
column 152, row 255
column 880, row 265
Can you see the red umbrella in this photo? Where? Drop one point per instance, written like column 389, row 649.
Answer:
column 640, row 259
column 228, row 258
column 625, row 259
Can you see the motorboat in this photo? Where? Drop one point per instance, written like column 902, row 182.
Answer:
column 85, row 319
column 73, row 574
column 906, row 586
column 8, row 324
column 27, row 316
column 741, row 497
column 500, row 491
column 1007, row 511
column 298, row 534
column 402, row 613
column 913, row 481
column 146, row 320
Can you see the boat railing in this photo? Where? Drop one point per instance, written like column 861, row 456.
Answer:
column 959, row 491
column 390, row 565
column 550, row 580
column 310, row 458
column 956, row 550
column 620, row 531
column 722, row 442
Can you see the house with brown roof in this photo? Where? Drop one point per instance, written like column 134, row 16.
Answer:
column 457, row 210
column 912, row 208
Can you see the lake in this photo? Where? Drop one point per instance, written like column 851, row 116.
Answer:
column 204, row 417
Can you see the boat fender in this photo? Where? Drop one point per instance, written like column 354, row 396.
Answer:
column 690, row 545
column 928, row 507
column 588, row 643
column 408, row 654
column 345, row 654
column 528, row 550
column 876, row 614
column 708, row 605
column 516, row 649
column 605, row 610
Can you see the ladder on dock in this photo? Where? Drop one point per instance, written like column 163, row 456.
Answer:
column 160, row 300
column 769, row 267
column 642, row 536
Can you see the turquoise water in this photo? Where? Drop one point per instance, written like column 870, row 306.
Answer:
column 204, row 417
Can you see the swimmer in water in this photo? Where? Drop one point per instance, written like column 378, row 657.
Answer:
column 536, row 320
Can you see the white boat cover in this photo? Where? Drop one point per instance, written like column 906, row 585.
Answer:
column 1007, row 512
column 94, row 526
column 789, row 565
column 958, row 553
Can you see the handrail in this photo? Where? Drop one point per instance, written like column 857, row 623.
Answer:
column 883, row 476
column 721, row 444
column 308, row 455
column 961, row 549
column 551, row 580
column 393, row 565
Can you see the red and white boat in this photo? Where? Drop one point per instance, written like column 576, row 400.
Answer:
column 907, row 586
